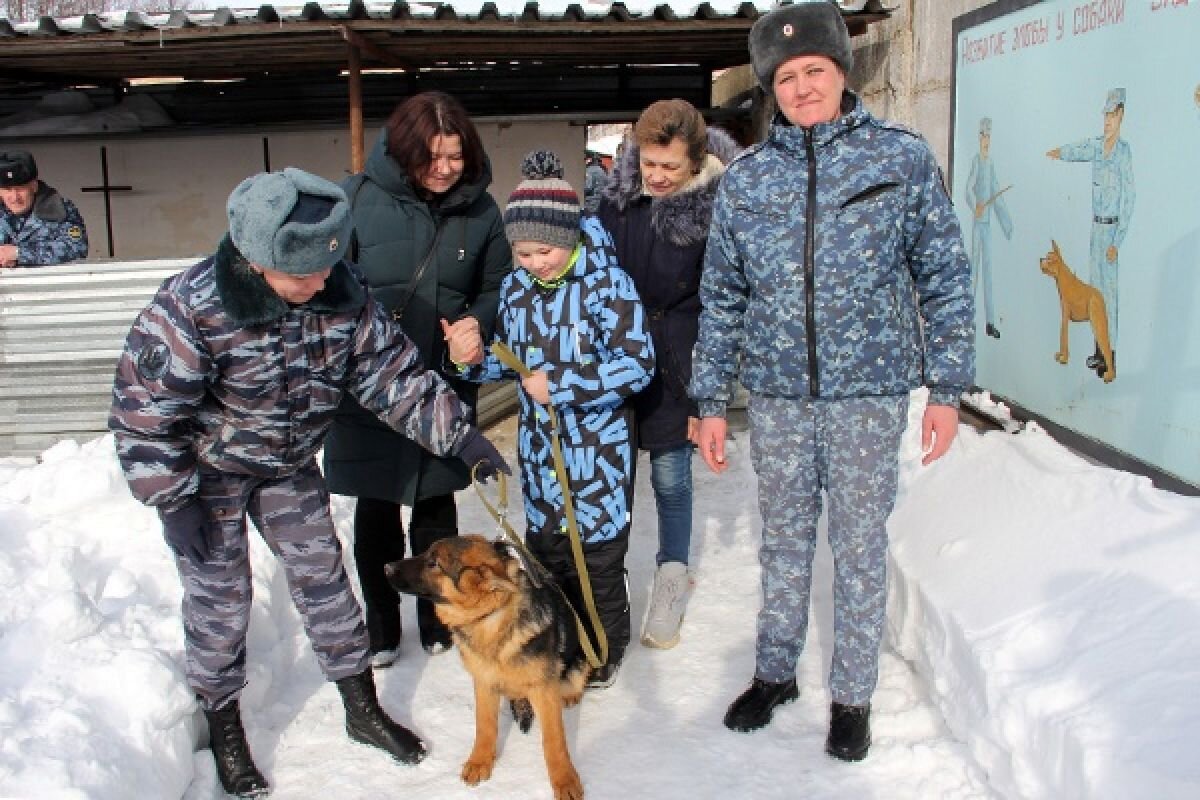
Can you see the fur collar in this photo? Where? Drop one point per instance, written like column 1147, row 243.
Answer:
column 48, row 204
column 249, row 300
column 681, row 218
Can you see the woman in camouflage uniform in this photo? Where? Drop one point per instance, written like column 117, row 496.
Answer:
column 836, row 277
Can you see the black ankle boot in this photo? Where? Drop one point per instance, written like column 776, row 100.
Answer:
column 367, row 723
column 435, row 636
column 753, row 708
column 384, row 631
column 849, row 732
column 235, row 768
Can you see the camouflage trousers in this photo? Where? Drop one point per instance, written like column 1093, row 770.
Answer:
column 848, row 449
column 292, row 514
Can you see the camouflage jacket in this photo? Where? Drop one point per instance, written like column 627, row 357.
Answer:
column 51, row 233
column 820, row 240
column 219, row 372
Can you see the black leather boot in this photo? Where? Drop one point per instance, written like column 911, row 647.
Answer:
column 1096, row 359
column 367, row 723
column 435, row 636
column 753, row 708
column 235, row 768
column 849, row 732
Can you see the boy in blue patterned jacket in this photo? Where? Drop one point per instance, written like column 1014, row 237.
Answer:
column 573, row 317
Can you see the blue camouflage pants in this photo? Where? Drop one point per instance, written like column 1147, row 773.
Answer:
column 847, row 448
column 292, row 514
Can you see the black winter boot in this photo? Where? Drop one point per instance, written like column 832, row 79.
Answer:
column 753, row 708
column 849, row 732
column 435, row 636
column 367, row 723
column 239, row 776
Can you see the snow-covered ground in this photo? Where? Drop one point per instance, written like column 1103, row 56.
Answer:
column 1042, row 645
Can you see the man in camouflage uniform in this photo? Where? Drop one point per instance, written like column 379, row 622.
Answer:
column 227, row 385
column 822, row 236
column 38, row 226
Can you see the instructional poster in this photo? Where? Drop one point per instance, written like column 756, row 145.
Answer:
column 1075, row 171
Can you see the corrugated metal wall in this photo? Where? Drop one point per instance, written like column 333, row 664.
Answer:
column 61, row 330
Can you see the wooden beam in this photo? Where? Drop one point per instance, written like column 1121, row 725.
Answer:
column 356, row 109
column 373, row 50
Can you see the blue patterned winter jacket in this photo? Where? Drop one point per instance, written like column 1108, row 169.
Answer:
column 821, row 238
column 590, row 337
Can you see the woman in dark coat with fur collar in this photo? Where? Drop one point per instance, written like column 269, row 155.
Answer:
column 430, row 241
column 657, row 206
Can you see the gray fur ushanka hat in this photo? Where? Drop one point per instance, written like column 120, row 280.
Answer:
column 290, row 221
column 803, row 29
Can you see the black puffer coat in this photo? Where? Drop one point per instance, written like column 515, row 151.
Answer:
column 394, row 229
column 660, row 243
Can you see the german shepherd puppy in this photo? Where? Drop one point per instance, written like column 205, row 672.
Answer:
column 517, row 639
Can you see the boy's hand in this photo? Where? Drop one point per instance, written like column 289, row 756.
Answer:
column 538, row 386
column 463, row 340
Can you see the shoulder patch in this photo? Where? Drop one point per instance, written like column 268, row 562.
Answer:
column 153, row 359
column 75, row 232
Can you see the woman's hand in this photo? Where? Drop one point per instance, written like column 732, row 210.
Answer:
column 463, row 340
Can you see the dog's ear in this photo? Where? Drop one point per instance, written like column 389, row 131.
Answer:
column 1054, row 246
column 496, row 578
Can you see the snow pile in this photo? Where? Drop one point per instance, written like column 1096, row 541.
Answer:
column 1047, row 606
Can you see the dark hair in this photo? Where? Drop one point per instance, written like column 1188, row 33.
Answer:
column 673, row 119
column 414, row 123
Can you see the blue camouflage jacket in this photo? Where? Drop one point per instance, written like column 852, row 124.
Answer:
column 51, row 233
column 821, row 238
column 590, row 336
column 219, row 373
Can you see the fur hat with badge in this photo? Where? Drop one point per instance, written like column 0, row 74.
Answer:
column 543, row 208
column 290, row 221
column 17, row 168
column 804, row 29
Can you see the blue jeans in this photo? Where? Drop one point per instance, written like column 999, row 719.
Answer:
column 671, row 477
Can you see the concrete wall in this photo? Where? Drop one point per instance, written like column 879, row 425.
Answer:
column 181, row 181
column 903, row 67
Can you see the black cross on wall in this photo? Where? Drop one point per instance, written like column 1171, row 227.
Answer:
column 108, row 189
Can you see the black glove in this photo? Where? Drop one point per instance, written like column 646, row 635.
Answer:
column 187, row 530
column 478, row 450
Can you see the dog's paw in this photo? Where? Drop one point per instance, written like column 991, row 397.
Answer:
column 476, row 771
column 1060, row 358
column 568, row 787
column 522, row 713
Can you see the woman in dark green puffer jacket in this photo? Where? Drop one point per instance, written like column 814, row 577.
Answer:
column 430, row 240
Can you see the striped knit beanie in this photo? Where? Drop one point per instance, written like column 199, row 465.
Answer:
column 543, row 208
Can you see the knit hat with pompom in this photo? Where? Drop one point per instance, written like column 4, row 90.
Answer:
column 543, row 208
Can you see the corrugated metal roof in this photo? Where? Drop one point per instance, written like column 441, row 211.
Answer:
column 228, row 43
